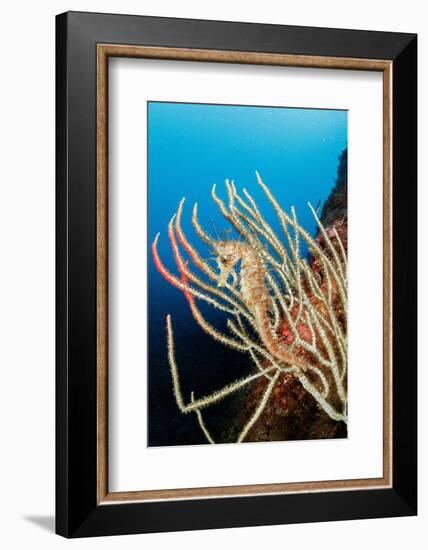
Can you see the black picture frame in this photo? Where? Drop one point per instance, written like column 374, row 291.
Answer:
column 78, row 513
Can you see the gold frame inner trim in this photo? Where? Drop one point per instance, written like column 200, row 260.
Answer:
column 104, row 51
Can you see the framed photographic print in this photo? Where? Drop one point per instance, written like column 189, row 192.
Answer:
column 236, row 274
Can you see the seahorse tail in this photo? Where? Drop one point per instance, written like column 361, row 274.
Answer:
column 272, row 342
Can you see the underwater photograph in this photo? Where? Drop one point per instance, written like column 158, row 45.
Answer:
column 247, row 273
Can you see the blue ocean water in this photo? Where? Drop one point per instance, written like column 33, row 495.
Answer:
column 190, row 147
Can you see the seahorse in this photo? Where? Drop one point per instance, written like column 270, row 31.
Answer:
column 254, row 293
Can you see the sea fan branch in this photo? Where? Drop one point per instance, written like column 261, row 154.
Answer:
column 295, row 308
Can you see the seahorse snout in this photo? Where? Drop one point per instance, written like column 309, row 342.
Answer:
column 224, row 274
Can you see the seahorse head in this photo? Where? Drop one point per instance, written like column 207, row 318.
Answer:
column 228, row 254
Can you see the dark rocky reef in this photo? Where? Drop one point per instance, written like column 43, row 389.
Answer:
column 336, row 206
column 290, row 414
